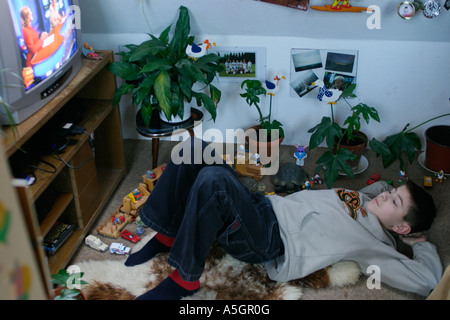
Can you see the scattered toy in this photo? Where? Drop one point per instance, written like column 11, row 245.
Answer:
column 440, row 176
column 300, row 155
column 119, row 248
column 374, row 178
column 95, row 243
column 427, row 182
column 403, row 176
column 127, row 235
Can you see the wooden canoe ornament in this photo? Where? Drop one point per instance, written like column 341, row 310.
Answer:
column 341, row 6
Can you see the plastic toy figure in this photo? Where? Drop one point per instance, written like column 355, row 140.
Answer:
column 150, row 175
column 440, row 176
column 95, row 243
column 403, row 177
column 140, row 226
column 241, row 152
column 317, row 179
column 373, row 178
column 300, row 155
column 117, row 220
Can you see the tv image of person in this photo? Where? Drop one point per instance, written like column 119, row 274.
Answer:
column 33, row 39
column 55, row 17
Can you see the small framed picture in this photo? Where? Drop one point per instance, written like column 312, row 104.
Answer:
column 241, row 63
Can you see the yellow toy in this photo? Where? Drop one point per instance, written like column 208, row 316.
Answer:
column 341, row 6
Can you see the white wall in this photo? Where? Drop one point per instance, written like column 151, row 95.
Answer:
column 403, row 67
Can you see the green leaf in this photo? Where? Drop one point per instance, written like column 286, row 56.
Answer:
column 180, row 38
column 156, row 64
column 333, row 162
column 124, row 89
column 163, row 93
column 125, row 70
column 326, row 129
column 147, row 48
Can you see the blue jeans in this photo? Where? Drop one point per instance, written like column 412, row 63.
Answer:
column 198, row 204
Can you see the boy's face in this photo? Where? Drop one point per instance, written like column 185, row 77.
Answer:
column 390, row 207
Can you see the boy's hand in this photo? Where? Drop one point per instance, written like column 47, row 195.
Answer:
column 413, row 238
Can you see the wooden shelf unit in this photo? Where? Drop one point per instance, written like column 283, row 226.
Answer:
column 94, row 86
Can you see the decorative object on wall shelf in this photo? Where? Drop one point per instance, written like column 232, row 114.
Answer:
column 295, row 4
column 341, row 6
column 432, row 8
column 406, row 10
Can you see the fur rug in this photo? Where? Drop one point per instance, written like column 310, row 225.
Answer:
column 224, row 278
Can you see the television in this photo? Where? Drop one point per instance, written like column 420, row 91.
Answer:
column 40, row 53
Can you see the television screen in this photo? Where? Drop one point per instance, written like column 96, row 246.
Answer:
column 46, row 37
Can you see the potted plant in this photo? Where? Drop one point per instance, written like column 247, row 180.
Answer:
column 65, row 289
column 273, row 129
column 160, row 75
column 400, row 145
column 345, row 143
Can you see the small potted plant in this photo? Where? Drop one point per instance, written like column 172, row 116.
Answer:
column 400, row 145
column 159, row 74
column 345, row 143
column 272, row 128
column 65, row 289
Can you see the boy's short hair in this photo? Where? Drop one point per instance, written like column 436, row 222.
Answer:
column 422, row 211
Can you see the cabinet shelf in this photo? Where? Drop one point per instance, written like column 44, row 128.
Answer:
column 81, row 194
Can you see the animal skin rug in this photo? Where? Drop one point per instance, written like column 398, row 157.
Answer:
column 224, row 278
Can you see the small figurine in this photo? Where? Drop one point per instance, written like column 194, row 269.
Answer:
column 241, row 152
column 89, row 52
column 196, row 51
column 150, row 175
column 117, row 220
column 308, row 185
column 329, row 96
column 317, row 179
column 273, row 85
column 403, row 176
column 255, row 159
column 300, row 155
column 440, row 176
column 140, row 226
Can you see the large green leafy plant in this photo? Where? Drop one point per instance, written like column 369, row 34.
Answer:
column 400, row 146
column 254, row 89
column 160, row 74
column 336, row 158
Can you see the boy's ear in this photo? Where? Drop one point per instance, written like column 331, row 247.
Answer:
column 403, row 228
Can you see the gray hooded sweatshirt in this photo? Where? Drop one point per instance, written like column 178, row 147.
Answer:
column 321, row 227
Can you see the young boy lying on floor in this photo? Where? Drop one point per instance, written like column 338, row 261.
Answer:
column 194, row 205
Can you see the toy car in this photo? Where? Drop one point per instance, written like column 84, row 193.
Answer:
column 95, row 243
column 119, row 248
column 374, row 178
column 127, row 235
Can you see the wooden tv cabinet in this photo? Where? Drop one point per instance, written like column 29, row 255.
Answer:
column 81, row 193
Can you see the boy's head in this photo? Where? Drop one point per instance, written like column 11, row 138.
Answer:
column 406, row 209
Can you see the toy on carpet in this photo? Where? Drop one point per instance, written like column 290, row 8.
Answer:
column 427, row 182
column 119, row 248
column 245, row 164
column 290, row 178
column 127, row 235
column 403, row 176
column 373, row 178
column 300, row 155
column 151, row 177
column 135, row 199
column 440, row 176
column 95, row 243
column 111, row 228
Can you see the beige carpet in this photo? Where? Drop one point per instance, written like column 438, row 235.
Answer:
column 138, row 157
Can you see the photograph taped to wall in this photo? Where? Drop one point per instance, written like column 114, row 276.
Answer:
column 296, row 4
column 241, row 63
column 334, row 67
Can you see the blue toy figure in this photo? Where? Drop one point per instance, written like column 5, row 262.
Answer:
column 300, row 155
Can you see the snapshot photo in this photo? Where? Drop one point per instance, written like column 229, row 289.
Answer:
column 338, row 81
column 307, row 60
column 340, row 62
column 304, row 83
column 241, row 63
